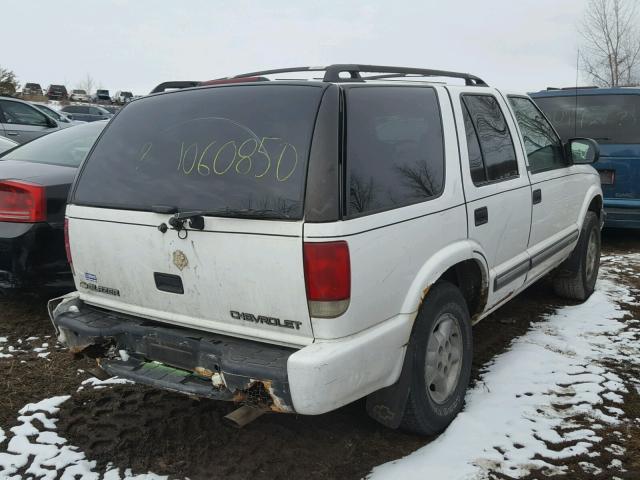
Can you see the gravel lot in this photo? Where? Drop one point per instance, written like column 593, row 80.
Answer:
column 111, row 430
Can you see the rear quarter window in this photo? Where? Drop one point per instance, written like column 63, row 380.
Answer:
column 213, row 149
column 395, row 152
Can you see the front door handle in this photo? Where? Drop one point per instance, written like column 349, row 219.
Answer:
column 13, row 134
column 481, row 216
column 537, row 196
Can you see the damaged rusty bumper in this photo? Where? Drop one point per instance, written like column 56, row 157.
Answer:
column 174, row 358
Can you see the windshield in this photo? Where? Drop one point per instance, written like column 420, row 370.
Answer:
column 605, row 118
column 67, row 147
column 225, row 148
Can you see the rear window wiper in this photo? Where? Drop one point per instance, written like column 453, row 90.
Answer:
column 232, row 212
column 196, row 217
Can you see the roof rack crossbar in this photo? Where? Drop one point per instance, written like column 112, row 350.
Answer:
column 332, row 73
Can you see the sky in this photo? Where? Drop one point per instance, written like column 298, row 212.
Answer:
column 131, row 45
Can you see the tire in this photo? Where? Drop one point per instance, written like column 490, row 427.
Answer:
column 576, row 277
column 432, row 407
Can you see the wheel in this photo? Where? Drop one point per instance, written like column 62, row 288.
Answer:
column 441, row 351
column 576, row 277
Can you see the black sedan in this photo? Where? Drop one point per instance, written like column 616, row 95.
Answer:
column 34, row 182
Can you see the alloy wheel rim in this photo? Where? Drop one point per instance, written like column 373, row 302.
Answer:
column 443, row 362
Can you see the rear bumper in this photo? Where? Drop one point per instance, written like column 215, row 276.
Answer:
column 32, row 254
column 313, row 380
column 622, row 214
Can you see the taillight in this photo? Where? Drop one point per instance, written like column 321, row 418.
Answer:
column 67, row 245
column 22, row 202
column 327, row 273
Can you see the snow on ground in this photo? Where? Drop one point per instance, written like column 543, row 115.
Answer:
column 510, row 419
column 27, row 346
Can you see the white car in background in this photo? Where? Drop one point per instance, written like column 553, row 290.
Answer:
column 79, row 95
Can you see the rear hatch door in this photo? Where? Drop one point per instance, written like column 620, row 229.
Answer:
column 231, row 162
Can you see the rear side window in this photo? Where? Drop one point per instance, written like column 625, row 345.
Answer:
column 488, row 132
column 605, row 118
column 395, row 153
column 228, row 150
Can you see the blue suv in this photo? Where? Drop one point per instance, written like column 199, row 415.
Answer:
column 611, row 116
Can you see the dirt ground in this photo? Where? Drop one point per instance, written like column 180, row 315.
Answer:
column 135, row 427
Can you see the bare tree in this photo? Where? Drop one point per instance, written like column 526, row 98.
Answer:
column 611, row 48
column 8, row 82
column 87, row 84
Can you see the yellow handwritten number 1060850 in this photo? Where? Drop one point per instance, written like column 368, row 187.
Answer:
column 250, row 156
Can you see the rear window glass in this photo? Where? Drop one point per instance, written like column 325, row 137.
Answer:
column 67, row 147
column 395, row 153
column 605, row 118
column 228, row 150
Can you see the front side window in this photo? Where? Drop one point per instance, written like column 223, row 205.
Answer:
column 493, row 138
column 21, row 114
column 395, row 153
column 544, row 148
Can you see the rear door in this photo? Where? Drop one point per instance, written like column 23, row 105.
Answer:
column 496, row 188
column 239, row 156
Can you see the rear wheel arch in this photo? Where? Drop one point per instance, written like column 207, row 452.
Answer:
column 461, row 263
column 469, row 277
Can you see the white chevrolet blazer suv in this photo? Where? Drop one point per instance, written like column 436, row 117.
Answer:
column 297, row 245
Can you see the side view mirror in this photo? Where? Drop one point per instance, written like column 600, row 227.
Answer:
column 583, row 151
column 51, row 123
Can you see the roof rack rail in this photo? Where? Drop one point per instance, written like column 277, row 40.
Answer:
column 573, row 88
column 174, row 85
column 332, row 73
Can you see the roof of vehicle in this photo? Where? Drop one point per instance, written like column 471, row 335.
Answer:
column 580, row 91
column 332, row 74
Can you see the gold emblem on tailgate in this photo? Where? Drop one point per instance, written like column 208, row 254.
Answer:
column 180, row 260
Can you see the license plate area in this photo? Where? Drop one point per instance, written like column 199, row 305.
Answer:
column 607, row 177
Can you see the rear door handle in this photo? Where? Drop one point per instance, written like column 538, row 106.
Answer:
column 481, row 216
column 537, row 196
column 13, row 134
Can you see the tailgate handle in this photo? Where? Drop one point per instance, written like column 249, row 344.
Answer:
column 166, row 282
